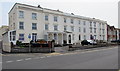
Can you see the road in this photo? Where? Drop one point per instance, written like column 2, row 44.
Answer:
column 94, row 59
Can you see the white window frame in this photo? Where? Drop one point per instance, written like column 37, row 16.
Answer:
column 21, row 38
column 34, row 26
column 21, row 14
column 46, row 18
column 34, row 16
column 46, row 27
column 55, row 18
column 55, row 27
column 21, row 25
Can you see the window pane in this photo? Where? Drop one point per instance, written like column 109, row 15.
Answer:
column 79, row 21
column 34, row 16
column 64, row 20
column 72, row 21
column 34, row 26
column 72, row 28
column 55, row 27
column 65, row 28
column 46, row 17
column 21, row 14
column 21, row 37
column 79, row 29
column 94, row 24
column 90, row 23
column 21, row 25
column 84, row 22
column 55, row 18
column 84, row 30
column 46, row 26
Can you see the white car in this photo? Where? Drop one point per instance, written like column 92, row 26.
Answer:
column 92, row 42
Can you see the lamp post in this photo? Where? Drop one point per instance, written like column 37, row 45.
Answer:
column 29, row 36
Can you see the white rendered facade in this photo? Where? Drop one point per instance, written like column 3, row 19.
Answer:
column 42, row 23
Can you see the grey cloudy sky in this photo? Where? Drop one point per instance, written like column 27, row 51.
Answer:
column 101, row 9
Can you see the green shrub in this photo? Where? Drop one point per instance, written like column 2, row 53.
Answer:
column 18, row 43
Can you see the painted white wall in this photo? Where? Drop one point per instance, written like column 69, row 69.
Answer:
column 28, row 10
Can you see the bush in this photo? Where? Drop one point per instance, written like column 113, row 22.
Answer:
column 18, row 43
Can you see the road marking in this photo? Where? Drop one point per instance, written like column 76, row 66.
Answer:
column 37, row 58
column 53, row 54
column 42, row 57
column 9, row 61
column 19, row 60
column 28, row 58
column 48, row 56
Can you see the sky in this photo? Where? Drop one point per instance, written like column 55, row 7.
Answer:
column 106, row 10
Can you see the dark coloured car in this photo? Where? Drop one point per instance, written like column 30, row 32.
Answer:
column 88, row 42
column 115, row 41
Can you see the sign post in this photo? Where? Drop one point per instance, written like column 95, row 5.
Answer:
column 29, row 36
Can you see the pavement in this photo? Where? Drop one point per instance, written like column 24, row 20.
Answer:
column 97, row 58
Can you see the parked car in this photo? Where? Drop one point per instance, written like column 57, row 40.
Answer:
column 88, row 42
column 115, row 41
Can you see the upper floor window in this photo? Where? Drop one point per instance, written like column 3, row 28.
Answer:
column 55, row 18
column 94, row 24
column 90, row 30
column 65, row 28
column 46, row 26
column 55, row 27
column 65, row 20
column 72, row 21
column 103, row 31
column 84, row 22
column 79, row 22
column 21, row 14
column 84, row 30
column 21, row 25
column 79, row 29
column 34, row 26
column 46, row 17
column 34, row 16
column 72, row 28
column 90, row 23
column 102, row 25
column 21, row 37
column 94, row 30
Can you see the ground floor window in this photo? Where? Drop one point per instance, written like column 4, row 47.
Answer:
column 46, row 37
column 73, row 36
column 21, row 37
column 84, row 37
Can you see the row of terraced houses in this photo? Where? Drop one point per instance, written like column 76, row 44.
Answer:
column 47, row 24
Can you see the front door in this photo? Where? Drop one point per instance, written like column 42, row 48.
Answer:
column 69, row 38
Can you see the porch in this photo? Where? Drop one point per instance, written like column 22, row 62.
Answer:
column 59, row 37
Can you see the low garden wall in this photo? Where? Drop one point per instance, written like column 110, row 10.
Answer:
column 32, row 50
